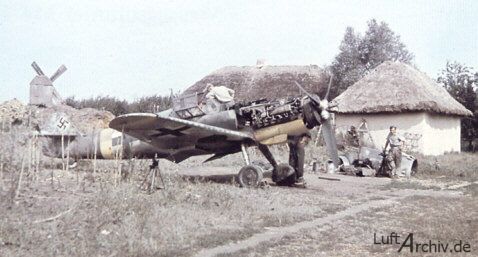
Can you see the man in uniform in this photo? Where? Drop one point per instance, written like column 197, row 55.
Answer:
column 353, row 137
column 217, row 98
column 394, row 155
column 219, row 93
column 297, row 154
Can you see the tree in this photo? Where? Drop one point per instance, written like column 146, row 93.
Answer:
column 347, row 67
column 461, row 83
column 360, row 54
column 154, row 103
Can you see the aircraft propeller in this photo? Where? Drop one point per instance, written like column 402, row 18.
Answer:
column 321, row 114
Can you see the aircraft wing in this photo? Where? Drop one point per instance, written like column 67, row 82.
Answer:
column 148, row 126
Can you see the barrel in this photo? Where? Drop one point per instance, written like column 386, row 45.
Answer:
column 330, row 166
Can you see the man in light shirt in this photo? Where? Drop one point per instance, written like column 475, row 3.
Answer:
column 394, row 155
column 216, row 99
column 220, row 93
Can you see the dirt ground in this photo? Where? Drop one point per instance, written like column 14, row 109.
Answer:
column 201, row 211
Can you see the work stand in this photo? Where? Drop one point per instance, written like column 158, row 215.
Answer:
column 149, row 182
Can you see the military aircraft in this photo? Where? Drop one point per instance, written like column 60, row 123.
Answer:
column 193, row 128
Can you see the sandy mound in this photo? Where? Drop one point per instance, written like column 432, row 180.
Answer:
column 15, row 113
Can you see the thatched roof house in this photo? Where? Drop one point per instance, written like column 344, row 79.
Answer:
column 398, row 87
column 255, row 82
column 398, row 94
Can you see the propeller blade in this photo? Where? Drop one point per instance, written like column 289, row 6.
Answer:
column 314, row 97
column 37, row 69
column 330, row 142
column 58, row 73
column 328, row 88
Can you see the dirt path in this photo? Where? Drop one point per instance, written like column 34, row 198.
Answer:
column 277, row 233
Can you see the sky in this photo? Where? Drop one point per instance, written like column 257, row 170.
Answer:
column 129, row 49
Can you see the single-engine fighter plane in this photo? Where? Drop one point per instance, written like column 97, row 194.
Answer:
column 192, row 128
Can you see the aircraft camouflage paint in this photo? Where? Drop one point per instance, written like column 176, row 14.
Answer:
column 190, row 129
column 194, row 127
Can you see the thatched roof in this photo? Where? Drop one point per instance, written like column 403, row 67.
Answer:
column 398, row 87
column 255, row 82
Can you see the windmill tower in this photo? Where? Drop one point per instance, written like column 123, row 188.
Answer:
column 42, row 91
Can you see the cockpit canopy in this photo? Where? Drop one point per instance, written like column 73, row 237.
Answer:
column 188, row 106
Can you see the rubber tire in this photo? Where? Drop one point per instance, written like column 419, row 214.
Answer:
column 285, row 180
column 250, row 176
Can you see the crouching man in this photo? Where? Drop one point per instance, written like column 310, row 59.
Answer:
column 223, row 95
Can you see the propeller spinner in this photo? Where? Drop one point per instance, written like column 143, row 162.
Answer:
column 316, row 112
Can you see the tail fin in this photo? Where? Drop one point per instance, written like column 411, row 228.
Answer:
column 57, row 130
column 59, row 124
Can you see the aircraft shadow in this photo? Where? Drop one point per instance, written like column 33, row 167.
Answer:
column 222, row 179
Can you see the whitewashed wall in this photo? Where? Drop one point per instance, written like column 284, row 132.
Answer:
column 441, row 134
column 425, row 133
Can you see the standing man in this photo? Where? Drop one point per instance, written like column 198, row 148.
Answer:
column 353, row 137
column 297, row 156
column 394, row 155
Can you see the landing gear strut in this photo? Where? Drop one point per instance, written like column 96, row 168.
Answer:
column 250, row 175
column 282, row 173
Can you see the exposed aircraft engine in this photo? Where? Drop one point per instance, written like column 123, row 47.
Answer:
column 264, row 113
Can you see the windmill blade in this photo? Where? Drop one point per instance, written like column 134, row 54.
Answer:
column 328, row 87
column 330, row 142
column 58, row 73
column 313, row 97
column 37, row 69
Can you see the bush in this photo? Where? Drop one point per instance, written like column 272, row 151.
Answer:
column 154, row 103
column 462, row 165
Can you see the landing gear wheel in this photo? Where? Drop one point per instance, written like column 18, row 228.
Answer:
column 285, row 175
column 250, row 176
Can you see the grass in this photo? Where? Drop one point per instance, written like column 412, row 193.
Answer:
column 453, row 165
column 98, row 218
column 407, row 184
column 78, row 213
column 472, row 190
column 447, row 220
